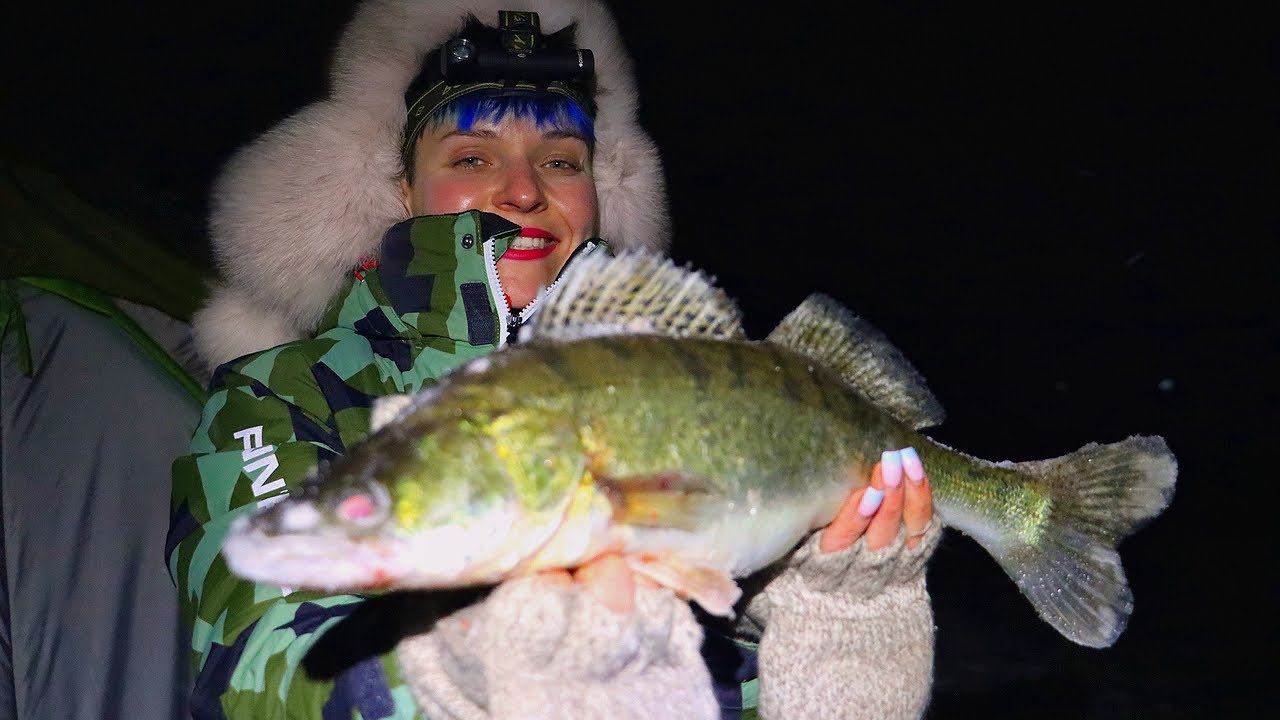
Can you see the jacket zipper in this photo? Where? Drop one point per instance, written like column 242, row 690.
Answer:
column 496, row 293
column 511, row 320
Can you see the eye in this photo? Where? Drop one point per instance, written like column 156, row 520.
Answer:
column 563, row 164
column 469, row 162
column 364, row 506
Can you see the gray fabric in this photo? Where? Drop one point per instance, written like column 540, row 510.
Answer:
column 90, row 626
column 172, row 335
column 848, row 634
column 535, row 650
column 8, row 699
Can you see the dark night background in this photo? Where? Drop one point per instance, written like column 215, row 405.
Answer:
column 1062, row 216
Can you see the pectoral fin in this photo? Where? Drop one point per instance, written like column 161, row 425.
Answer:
column 668, row 500
column 713, row 589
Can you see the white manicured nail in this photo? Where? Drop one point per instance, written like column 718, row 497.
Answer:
column 870, row 501
column 891, row 468
column 912, row 465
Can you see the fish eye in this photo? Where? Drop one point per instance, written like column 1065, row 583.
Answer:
column 364, row 506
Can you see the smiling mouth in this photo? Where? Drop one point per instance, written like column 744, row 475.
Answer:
column 528, row 243
column 531, row 244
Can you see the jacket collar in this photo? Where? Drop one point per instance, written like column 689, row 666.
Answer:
column 432, row 279
column 435, row 279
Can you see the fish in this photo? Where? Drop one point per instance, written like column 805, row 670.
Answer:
column 636, row 417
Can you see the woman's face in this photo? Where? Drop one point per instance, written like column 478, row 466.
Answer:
column 537, row 178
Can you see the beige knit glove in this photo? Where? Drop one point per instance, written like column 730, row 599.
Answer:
column 847, row 634
column 534, row 649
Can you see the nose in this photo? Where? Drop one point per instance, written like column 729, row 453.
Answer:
column 520, row 189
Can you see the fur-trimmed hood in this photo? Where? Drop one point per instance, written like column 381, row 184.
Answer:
column 296, row 209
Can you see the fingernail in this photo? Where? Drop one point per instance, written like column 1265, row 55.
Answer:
column 870, row 501
column 912, row 465
column 891, row 468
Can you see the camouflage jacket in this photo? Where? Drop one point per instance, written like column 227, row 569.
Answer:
column 429, row 303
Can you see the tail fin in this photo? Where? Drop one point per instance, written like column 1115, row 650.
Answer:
column 1071, row 571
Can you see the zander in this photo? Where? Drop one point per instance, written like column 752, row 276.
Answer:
column 637, row 418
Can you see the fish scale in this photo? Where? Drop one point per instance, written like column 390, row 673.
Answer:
column 800, row 428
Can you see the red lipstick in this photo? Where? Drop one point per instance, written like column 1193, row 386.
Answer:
column 533, row 253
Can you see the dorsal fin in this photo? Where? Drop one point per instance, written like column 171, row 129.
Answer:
column 635, row 293
column 824, row 330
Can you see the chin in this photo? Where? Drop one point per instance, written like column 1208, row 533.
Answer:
column 522, row 281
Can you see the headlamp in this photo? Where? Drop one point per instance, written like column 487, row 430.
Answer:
column 515, row 59
column 521, row 56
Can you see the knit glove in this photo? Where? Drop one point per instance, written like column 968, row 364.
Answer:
column 847, row 634
column 534, row 649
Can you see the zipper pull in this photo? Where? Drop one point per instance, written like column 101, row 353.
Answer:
column 513, row 327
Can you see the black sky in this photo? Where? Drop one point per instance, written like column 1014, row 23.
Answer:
column 1064, row 217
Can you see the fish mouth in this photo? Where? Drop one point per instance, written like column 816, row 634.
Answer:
column 532, row 244
column 288, row 546
column 327, row 560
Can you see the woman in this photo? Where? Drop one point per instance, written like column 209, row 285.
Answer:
column 525, row 176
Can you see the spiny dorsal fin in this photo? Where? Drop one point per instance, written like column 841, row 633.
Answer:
column 824, row 330
column 636, row 293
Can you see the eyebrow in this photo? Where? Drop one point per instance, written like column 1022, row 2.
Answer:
column 484, row 134
column 563, row 134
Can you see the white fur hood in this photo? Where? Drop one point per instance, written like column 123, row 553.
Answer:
column 296, row 209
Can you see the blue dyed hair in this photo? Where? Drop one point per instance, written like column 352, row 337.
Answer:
column 547, row 110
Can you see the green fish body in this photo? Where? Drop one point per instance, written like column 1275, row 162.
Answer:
column 639, row 420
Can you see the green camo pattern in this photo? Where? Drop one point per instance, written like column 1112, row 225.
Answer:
column 232, row 466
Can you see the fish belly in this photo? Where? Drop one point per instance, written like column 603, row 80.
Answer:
column 736, row 543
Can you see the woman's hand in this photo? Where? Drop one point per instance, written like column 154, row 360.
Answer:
column 849, row 623
column 541, row 648
column 609, row 578
column 879, row 508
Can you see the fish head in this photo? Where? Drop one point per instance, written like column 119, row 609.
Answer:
column 459, row 498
